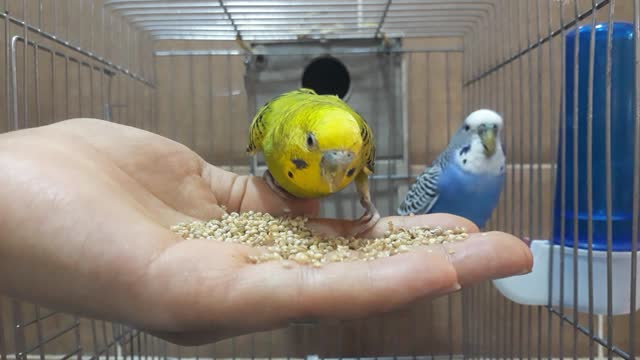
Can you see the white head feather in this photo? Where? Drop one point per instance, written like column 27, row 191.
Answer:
column 473, row 159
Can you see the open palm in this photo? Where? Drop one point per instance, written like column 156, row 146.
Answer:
column 84, row 228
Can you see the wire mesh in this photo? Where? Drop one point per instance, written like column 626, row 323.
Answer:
column 537, row 51
column 129, row 62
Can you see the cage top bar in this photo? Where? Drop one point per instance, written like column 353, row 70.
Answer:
column 271, row 20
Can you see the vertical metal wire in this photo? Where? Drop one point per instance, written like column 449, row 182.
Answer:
column 538, row 233
column 530, row 167
column 165, row 352
column 145, row 340
column 7, row 43
column 508, row 344
column 66, row 86
column 590, row 174
column 153, row 348
column 18, row 331
column 94, row 338
column 92, row 46
column 427, row 118
column 636, row 184
column 3, row 341
column 55, row 21
column 488, row 49
column 483, row 87
column 105, row 338
column 172, row 94
column 25, row 101
column 130, row 105
column 500, row 77
column 465, row 322
column 513, row 139
column 447, row 72
column 473, row 300
column 450, row 323
column 153, row 119
column 553, row 173
column 608, row 182
column 37, row 83
column 563, row 180
column 80, row 89
column 211, row 115
column 520, row 162
column 229, row 94
column 496, row 76
column 192, row 95
column 39, row 331
column 502, row 36
column 103, row 99
column 576, row 183
column 91, row 93
column 386, row 62
column 67, row 19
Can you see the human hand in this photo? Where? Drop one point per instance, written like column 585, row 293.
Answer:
column 84, row 228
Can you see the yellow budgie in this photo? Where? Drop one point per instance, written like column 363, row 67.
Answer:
column 315, row 145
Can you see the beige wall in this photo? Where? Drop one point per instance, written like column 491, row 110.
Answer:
column 206, row 127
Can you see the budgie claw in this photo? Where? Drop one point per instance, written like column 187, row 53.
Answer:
column 268, row 178
column 368, row 220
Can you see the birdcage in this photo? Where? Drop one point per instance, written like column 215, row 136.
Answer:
column 197, row 71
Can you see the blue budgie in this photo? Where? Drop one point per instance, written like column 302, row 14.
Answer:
column 465, row 179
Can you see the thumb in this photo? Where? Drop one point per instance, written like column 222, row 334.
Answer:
column 259, row 196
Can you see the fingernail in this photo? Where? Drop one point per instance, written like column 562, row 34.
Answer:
column 525, row 272
column 455, row 287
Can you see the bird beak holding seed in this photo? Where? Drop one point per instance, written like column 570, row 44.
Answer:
column 488, row 138
column 333, row 165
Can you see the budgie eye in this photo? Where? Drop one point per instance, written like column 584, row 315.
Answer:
column 350, row 172
column 467, row 127
column 311, row 140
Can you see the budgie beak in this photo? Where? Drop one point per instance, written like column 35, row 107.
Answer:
column 488, row 138
column 333, row 165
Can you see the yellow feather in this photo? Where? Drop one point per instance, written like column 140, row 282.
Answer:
column 280, row 130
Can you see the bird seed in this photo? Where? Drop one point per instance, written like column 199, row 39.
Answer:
column 288, row 238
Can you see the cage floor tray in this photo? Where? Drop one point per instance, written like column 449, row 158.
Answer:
column 533, row 288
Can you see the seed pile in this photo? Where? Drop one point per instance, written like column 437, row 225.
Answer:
column 289, row 238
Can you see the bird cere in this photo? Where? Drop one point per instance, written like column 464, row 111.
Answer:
column 467, row 177
column 288, row 238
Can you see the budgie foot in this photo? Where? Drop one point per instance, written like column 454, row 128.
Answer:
column 268, row 178
column 368, row 220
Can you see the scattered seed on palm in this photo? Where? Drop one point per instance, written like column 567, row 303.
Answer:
column 289, row 238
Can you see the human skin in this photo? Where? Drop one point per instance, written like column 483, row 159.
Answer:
column 85, row 211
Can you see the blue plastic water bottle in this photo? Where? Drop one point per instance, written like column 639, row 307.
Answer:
column 622, row 139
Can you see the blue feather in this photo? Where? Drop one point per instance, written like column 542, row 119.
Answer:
column 468, row 195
